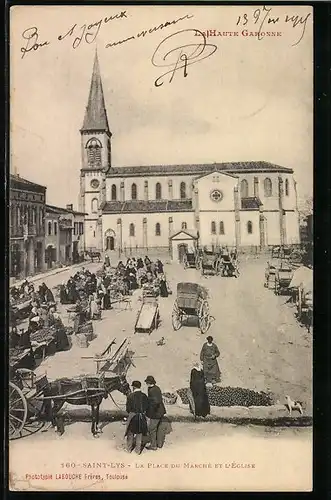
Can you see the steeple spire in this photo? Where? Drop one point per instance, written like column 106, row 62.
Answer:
column 95, row 114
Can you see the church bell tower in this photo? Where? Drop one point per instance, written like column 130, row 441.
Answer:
column 96, row 160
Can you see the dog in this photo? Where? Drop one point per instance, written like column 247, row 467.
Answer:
column 161, row 341
column 293, row 405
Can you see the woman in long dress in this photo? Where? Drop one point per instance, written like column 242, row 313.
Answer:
column 199, row 392
column 208, row 357
column 95, row 307
column 107, row 300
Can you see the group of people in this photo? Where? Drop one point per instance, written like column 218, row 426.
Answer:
column 147, row 421
column 43, row 295
column 139, row 272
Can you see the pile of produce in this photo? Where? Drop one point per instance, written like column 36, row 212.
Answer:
column 86, row 328
column 232, row 396
column 44, row 335
column 169, row 398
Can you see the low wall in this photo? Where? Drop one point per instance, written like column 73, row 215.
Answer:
column 273, row 416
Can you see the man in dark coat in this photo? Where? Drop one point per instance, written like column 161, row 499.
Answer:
column 208, row 356
column 156, row 410
column 136, row 426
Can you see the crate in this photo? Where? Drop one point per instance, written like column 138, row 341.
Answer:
column 81, row 340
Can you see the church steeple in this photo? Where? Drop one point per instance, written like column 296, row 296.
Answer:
column 96, row 115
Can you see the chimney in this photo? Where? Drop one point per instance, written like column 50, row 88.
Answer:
column 70, row 206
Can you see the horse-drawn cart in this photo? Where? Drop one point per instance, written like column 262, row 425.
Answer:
column 211, row 262
column 229, row 266
column 33, row 400
column 191, row 301
column 191, row 260
column 283, row 279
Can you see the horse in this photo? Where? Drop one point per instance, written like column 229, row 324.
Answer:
column 85, row 390
column 93, row 255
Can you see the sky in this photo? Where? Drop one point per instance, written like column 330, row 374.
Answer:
column 250, row 100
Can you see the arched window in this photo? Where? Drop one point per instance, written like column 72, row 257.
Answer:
column 157, row 229
column 113, row 193
column 267, row 187
column 213, row 227
column 158, row 191
column 182, row 190
column 287, row 187
column 49, row 229
column 134, row 191
column 55, row 228
column 132, row 231
column 93, row 147
column 184, row 225
column 94, row 205
column 222, row 227
column 249, row 227
column 244, row 188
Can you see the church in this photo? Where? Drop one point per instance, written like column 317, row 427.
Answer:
column 238, row 204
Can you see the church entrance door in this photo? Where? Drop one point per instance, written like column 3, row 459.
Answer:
column 110, row 243
column 182, row 249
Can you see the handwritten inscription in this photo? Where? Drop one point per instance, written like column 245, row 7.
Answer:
column 89, row 32
column 264, row 17
column 32, row 41
column 86, row 33
column 175, row 53
column 149, row 31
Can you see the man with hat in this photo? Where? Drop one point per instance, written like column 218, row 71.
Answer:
column 136, row 425
column 156, row 410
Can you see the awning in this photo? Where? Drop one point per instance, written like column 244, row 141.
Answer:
column 304, row 277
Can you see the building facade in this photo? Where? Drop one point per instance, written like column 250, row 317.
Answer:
column 27, row 227
column 64, row 239
column 240, row 204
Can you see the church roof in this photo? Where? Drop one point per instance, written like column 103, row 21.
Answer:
column 196, row 169
column 251, row 203
column 95, row 114
column 153, row 206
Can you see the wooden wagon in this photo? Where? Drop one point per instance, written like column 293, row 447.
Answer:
column 191, row 260
column 191, row 301
column 148, row 317
column 210, row 262
column 283, row 277
column 270, row 273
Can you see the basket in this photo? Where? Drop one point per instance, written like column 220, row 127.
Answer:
column 81, row 340
column 87, row 330
column 169, row 398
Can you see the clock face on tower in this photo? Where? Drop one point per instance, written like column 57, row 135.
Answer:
column 216, row 195
column 95, row 184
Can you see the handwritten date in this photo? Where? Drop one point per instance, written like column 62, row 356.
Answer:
column 170, row 55
column 263, row 17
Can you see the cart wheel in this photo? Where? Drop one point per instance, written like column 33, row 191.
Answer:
column 18, row 411
column 176, row 317
column 204, row 317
